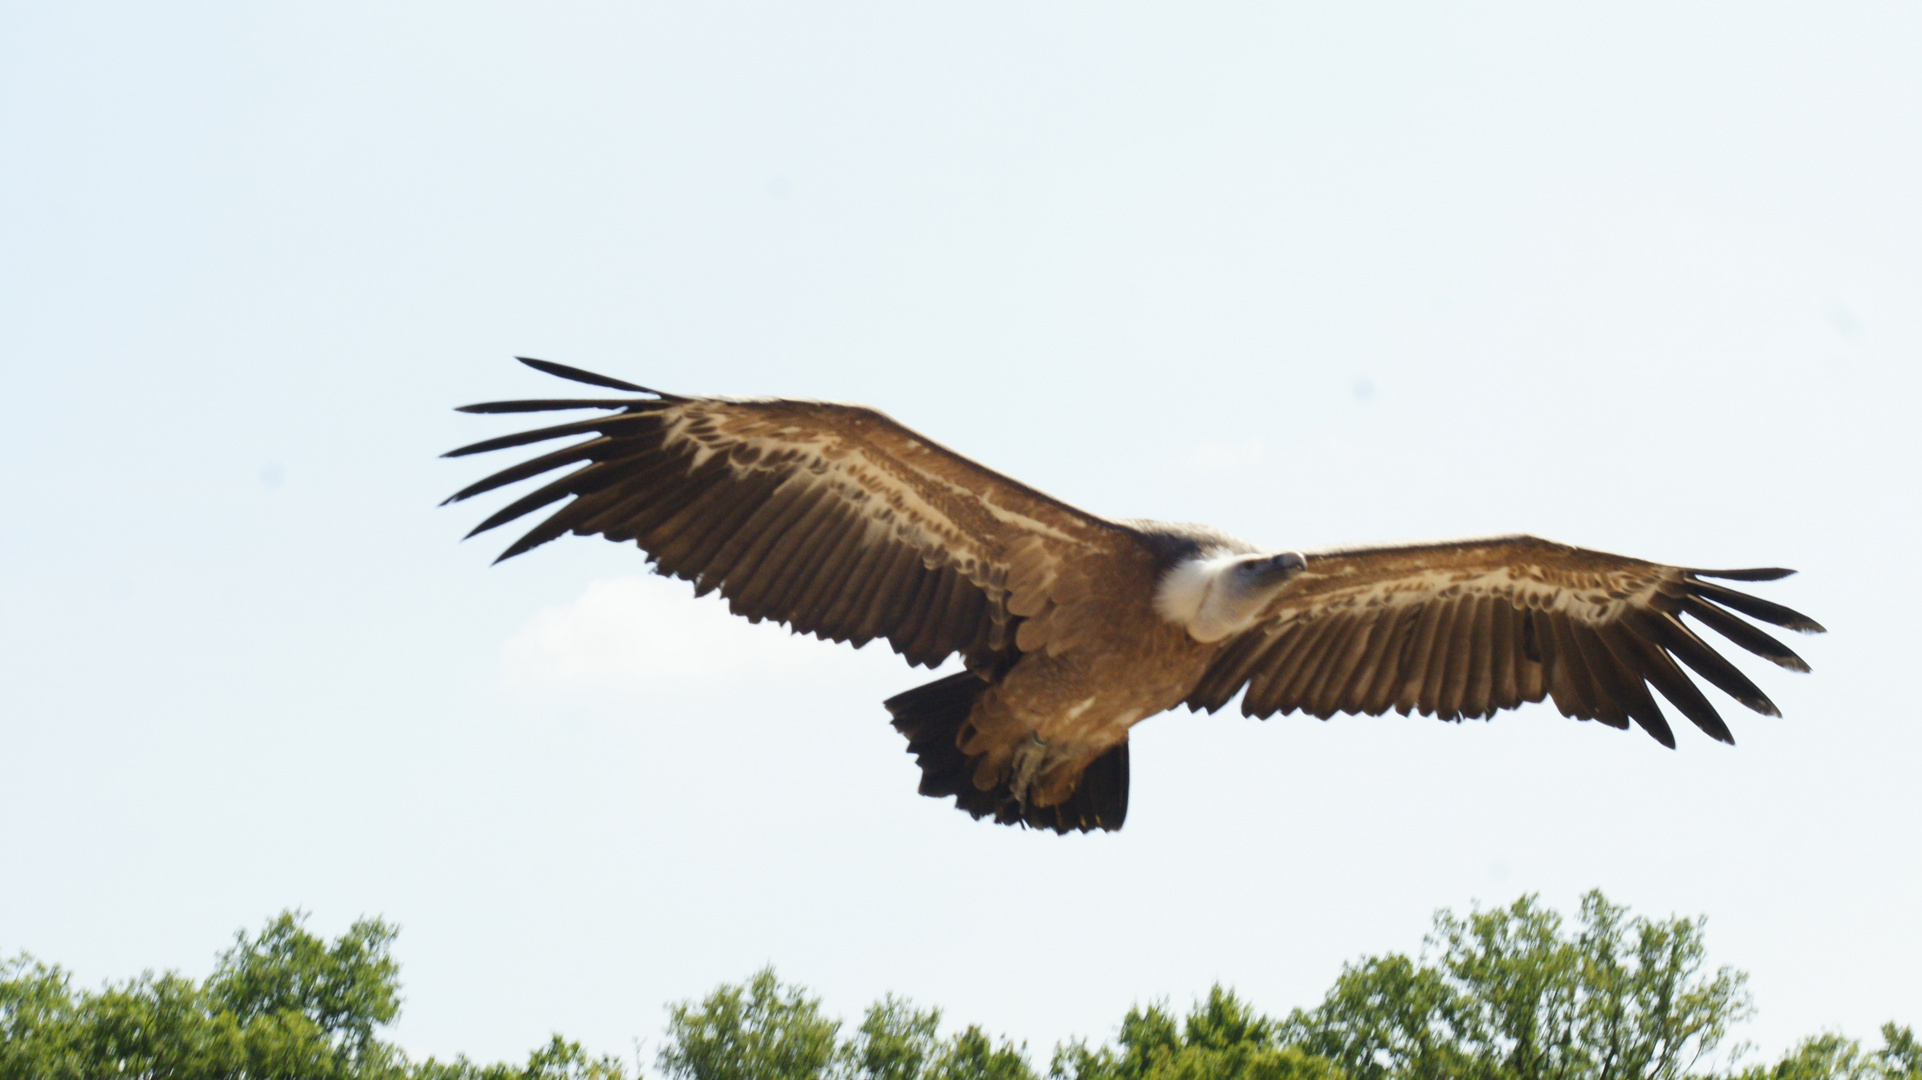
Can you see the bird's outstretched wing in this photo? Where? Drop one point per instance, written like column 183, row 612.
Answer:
column 1464, row 629
column 833, row 519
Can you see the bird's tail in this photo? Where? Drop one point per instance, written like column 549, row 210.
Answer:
column 932, row 716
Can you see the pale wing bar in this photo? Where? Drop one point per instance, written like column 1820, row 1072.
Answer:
column 1467, row 629
column 771, row 528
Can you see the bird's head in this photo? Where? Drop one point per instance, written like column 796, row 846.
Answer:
column 1216, row 596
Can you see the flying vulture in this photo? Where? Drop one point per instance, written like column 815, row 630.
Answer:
column 842, row 523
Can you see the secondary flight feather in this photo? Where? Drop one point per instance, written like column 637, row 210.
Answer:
column 839, row 522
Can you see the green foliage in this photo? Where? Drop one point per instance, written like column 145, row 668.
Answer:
column 760, row 1031
column 234, row 1026
column 971, row 1055
column 558, row 1060
column 1823, row 1057
column 1221, row 1039
column 763, row 1030
column 1829, row 1056
column 894, row 1042
column 1901, row 1054
column 284, row 1005
column 346, row 989
column 1506, row 994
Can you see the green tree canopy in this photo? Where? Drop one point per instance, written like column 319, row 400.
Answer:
column 1832, row 1057
column 280, row 1005
column 1222, row 1038
column 764, row 1030
column 345, row 990
column 1507, row 994
column 759, row 1031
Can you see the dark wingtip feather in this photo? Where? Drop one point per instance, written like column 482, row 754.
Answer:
column 1788, row 661
column 485, row 445
column 588, row 377
column 1760, row 573
column 544, row 405
column 532, row 540
column 1743, row 634
column 493, row 522
column 1757, row 608
column 1656, row 725
column 471, row 490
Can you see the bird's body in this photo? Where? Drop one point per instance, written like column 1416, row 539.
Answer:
column 839, row 522
column 1058, row 710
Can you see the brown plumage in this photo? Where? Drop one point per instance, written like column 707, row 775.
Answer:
column 839, row 522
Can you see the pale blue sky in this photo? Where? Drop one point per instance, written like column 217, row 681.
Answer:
column 1640, row 277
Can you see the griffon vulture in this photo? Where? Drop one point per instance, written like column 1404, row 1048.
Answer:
column 840, row 522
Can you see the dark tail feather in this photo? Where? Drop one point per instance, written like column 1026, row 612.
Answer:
column 931, row 717
column 1100, row 801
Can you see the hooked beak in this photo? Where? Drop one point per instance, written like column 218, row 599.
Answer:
column 1279, row 569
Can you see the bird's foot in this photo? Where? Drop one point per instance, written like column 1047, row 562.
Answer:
column 1029, row 756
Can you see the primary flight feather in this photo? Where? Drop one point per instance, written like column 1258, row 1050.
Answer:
column 840, row 522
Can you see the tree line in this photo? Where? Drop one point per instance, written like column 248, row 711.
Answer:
column 1510, row 993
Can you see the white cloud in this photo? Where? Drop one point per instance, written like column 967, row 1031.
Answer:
column 629, row 631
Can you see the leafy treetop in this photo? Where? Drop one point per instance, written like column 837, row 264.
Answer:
column 1506, row 994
